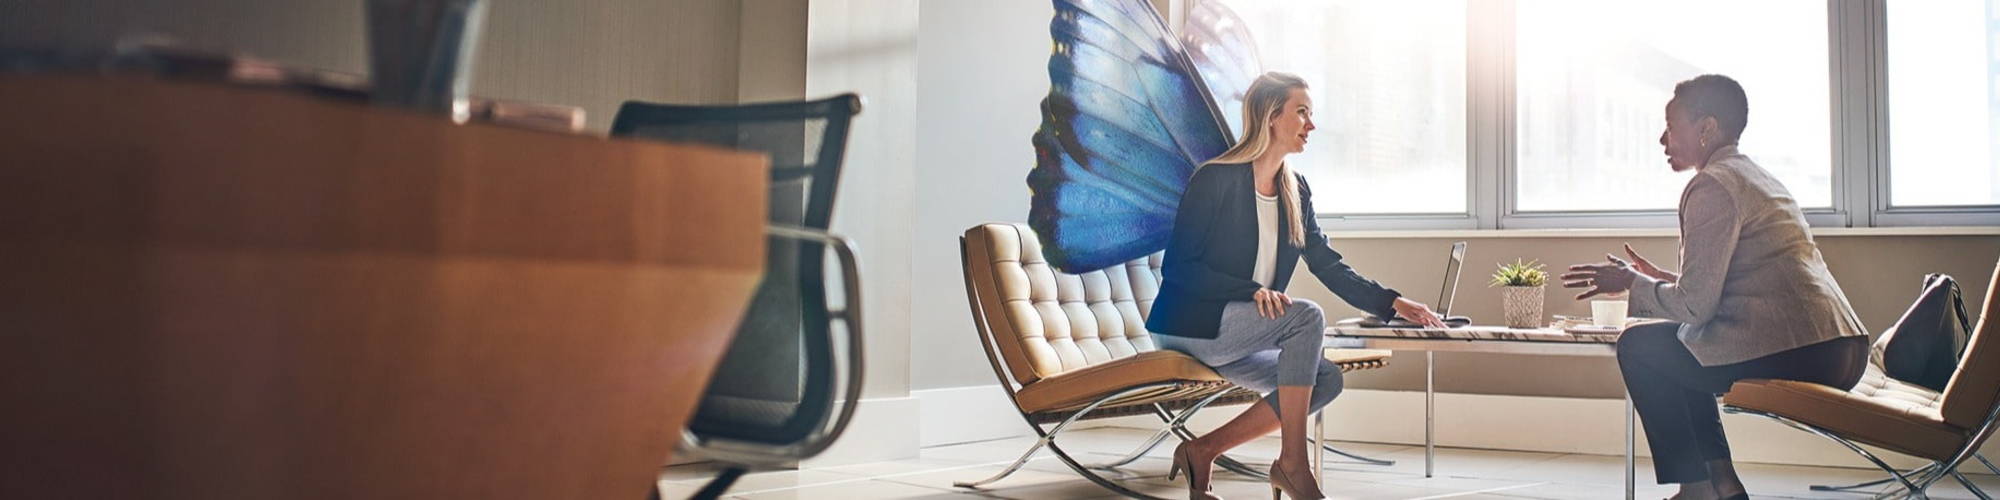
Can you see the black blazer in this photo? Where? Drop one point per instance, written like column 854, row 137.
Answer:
column 1214, row 249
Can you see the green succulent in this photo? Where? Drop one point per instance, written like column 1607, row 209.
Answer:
column 1520, row 273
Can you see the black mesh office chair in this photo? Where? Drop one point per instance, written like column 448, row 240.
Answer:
column 772, row 400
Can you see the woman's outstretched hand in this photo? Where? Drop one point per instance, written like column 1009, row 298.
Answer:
column 1645, row 266
column 1271, row 303
column 1602, row 278
column 1417, row 313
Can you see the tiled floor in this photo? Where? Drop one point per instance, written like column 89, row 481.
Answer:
column 1461, row 473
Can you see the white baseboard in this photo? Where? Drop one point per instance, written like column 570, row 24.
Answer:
column 879, row 432
column 1524, row 423
column 966, row 414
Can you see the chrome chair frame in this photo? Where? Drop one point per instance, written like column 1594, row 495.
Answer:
column 1917, row 481
column 1048, row 437
column 763, row 455
column 1173, row 424
column 745, row 454
column 1177, row 426
column 1926, row 468
column 1359, row 458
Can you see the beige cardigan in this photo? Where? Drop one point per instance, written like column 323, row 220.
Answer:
column 1752, row 281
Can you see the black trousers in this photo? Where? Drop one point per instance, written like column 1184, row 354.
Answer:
column 1675, row 395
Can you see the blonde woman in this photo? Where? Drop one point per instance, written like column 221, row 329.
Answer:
column 1243, row 224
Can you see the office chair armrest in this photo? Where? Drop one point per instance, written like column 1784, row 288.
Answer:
column 850, row 315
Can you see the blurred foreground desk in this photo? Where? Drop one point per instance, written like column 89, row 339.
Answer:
column 220, row 292
column 1487, row 339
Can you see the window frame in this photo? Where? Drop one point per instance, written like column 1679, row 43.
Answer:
column 1858, row 83
column 1869, row 19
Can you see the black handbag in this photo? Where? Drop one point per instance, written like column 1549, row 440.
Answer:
column 1923, row 347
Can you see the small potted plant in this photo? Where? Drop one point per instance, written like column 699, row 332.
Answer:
column 1521, row 295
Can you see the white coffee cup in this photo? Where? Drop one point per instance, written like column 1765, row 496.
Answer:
column 1607, row 313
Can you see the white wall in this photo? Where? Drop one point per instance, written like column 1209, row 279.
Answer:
column 953, row 89
column 981, row 79
column 869, row 47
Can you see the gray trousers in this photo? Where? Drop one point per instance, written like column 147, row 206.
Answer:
column 1260, row 354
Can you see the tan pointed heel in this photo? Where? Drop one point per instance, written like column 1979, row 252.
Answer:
column 1181, row 461
column 1281, row 483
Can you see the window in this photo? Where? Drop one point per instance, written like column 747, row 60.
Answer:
column 1388, row 83
column 1944, row 103
column 1592, row 79
column 1439, row 114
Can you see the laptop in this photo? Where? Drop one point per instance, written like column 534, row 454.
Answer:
column 1452, row 265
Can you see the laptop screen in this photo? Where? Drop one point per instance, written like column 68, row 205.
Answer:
column 1451, row 268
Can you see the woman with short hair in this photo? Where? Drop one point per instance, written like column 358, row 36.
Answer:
column 1753, row 298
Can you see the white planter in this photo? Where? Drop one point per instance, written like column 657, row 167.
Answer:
column 1523, row 305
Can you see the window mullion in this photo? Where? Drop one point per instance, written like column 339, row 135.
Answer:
column 1489, row 100
column 1873, row 194
column 1859, row 144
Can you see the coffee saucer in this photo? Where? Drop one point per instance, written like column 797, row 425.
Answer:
column 1594, row 330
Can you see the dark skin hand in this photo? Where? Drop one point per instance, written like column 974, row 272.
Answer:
column 1602, row 278
column 1614, row 275
column 1645, row 266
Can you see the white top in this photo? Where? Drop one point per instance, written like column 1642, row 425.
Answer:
column 1267, row 240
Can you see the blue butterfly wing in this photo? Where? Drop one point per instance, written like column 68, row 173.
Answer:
column 1123, row 127
column 1224, row 53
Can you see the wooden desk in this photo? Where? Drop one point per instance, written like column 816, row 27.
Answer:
column 219, row 292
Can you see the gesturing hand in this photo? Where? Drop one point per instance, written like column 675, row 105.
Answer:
column 1271, row 303
column 1645, row 266
column 1602, row 278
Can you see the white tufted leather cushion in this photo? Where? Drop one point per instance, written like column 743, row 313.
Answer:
column 1046, row 322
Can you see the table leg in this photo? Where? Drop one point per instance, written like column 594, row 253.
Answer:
column 1430, row 412
column 1630, row 474
column 1319, row 446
